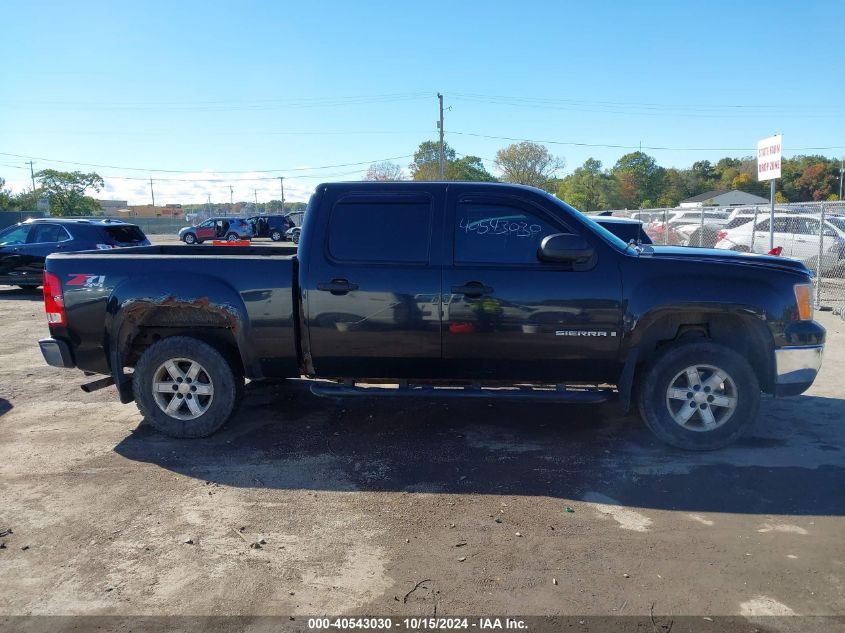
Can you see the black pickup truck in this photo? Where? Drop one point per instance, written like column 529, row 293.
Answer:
column 445, row 290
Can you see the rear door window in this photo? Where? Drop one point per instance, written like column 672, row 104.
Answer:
column 381, row 229
column 48, row 233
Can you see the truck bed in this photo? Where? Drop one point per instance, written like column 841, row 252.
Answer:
column 118, row 301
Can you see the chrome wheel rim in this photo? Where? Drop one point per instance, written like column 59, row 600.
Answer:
column 182, row 388
column 701, row 398
column 276, row 236
column 189, row 238
column 232, row 237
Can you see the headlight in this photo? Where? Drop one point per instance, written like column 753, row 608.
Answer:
column 804, row 298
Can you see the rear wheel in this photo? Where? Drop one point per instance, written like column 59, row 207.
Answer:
column 28, row 287
column 232, row 237
column 276, row 236
column 698, row 395
column 295, row 237
column 190, row 238
column 185, row 388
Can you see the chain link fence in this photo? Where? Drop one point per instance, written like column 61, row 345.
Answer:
column 812, row 232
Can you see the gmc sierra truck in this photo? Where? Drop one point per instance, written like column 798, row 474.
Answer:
column 446, row 290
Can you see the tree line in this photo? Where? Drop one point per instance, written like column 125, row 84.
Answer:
column 635, row 181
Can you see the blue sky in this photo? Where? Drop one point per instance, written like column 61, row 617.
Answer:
column 221, row 90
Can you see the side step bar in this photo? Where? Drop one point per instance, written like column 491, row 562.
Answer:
column 585, row 396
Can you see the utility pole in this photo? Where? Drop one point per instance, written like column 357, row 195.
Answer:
column 282, row 185
column 231, row 195
column 255, row 191
column 208, row 207
column 32, row 174
column 440, row 127
column 841, row 173
column 152, row 192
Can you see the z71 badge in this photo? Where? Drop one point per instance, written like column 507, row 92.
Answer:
column 87, row 281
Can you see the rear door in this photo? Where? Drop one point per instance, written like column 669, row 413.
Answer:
column 372, row 284
column 511, row 316
column 784, row 235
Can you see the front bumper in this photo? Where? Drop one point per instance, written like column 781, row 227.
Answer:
column 796, row 368
column 56, row 353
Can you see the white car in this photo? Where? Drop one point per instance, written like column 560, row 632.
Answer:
column 796, row 234
column 686, row 222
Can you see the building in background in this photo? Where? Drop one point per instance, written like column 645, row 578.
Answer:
column 723, row 198
column 150, row 211
column 111, row 207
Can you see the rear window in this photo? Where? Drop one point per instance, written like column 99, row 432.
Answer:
column 123, row 235
column 381, row 229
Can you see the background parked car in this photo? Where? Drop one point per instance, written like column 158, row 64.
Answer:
column 798, row 235
column 24, row 246
column 272, row 226
column 230, row 229
column 293, row 234
column 626, row 229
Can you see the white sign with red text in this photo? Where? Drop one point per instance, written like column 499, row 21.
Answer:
column 768, row 157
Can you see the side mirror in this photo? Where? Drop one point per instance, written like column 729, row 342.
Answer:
column 565, row 248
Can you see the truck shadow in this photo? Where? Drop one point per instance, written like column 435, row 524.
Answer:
column 793, row 463
column 13, row 293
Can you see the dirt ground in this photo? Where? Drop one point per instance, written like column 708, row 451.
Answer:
column 355, row 502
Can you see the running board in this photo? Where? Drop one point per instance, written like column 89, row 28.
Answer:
column 584, row 396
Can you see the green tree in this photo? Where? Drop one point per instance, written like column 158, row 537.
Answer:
column 589, row 188
column 528, row 164
column 640, row 178
column 66, row 191
column 426, row 165
column 468, row 168
column 6, row 200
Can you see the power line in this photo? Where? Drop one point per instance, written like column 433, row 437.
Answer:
column 182, row 171
column 637, row 147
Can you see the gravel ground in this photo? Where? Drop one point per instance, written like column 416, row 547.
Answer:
column 499, row 508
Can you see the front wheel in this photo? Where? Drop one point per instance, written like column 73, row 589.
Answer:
column 276, row 236
column 295, row 237
column 698, row 395
column 185, row 388
column 190, row 238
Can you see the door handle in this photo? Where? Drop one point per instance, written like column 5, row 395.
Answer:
column 472, row 289
column 337, row 286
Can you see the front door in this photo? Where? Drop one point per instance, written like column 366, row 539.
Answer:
column 507, row 315
column 44, row 238
column 372, row 286
column 12, row 242
column 207, row 231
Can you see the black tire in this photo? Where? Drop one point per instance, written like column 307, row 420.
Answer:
column 228, row 387
column 232, row 237
column 190, row 238
column 295, row 237
column 277, row 236
column 28, row 287
column 658, row 376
